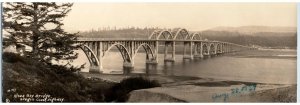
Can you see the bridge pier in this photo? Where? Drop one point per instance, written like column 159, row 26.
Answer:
column 213, row 55
column 198, row 56
column 152, row 61
column 95, row 69
column 206, row 56
column 169, row 60
column 190, row 55
column 128, row 67
column 172, row 59
column 219, row 53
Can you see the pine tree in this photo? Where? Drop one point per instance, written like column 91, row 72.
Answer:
column 39, row 25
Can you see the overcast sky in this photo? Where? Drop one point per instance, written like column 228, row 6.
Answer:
column 192, row 16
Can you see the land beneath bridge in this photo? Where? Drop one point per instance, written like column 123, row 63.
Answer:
column 196, row 89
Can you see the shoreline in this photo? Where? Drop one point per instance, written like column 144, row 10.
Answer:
column 197, row 89
column 171, row 80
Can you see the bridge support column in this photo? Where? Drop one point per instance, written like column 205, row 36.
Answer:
column 197, row 51
column 166, row 50
column 226, row 48
column 222, row 48
column 99, row 55
column 172, row 59
column 94, row 69
column 215, row 53
column 173, row 51
column 201, row 50
column 151, row 61
column 128, row 67
column 190, row 55
column 94, row 65
column 207, row 54
column 156, row 51
column 191, row 50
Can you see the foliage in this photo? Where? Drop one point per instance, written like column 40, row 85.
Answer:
column 39, row 25
column 119, row 33
column 28, row 76
column 12, row 58
column 119, row 92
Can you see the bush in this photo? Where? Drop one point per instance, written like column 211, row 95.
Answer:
column 12, row 57
column 119, row 92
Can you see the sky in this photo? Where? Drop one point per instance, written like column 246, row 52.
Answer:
column 192, row 16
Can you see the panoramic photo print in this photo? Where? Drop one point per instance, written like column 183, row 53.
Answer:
column 149, row 52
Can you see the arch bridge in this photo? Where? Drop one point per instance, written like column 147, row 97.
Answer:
column 193, row 47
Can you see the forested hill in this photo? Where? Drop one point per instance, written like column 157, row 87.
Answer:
column 275, row 37
column 262, row 39
column 255, row 29
column 119, row 33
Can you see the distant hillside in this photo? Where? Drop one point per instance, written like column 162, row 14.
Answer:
column 256, row 29
column 276, row 37
column 120, row 33
column 263, row 39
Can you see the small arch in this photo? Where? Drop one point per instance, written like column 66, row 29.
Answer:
column 205, row 49
column 120, row 47
column 219, row 47
column 196, row 36
column 212, row 48
column 93, row 54
column 144, row 45
column 182, row 32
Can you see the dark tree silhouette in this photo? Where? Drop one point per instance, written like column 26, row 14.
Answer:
column 39, row 25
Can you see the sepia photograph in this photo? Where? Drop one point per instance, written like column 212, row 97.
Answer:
column 148, row 52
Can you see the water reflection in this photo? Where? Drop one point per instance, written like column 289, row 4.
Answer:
column 151, row 69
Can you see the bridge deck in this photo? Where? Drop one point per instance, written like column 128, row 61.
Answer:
column 150, row 40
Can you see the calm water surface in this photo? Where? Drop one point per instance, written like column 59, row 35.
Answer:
column 237, row 67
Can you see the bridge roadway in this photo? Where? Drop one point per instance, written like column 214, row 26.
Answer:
column 193, row 47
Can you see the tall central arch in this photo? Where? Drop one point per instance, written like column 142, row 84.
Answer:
column 165, row 38
column 180, row 34
column 183, row 34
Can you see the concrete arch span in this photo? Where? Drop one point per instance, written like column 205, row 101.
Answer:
column 91, row 56
column 161, row 34
column 180, row 34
